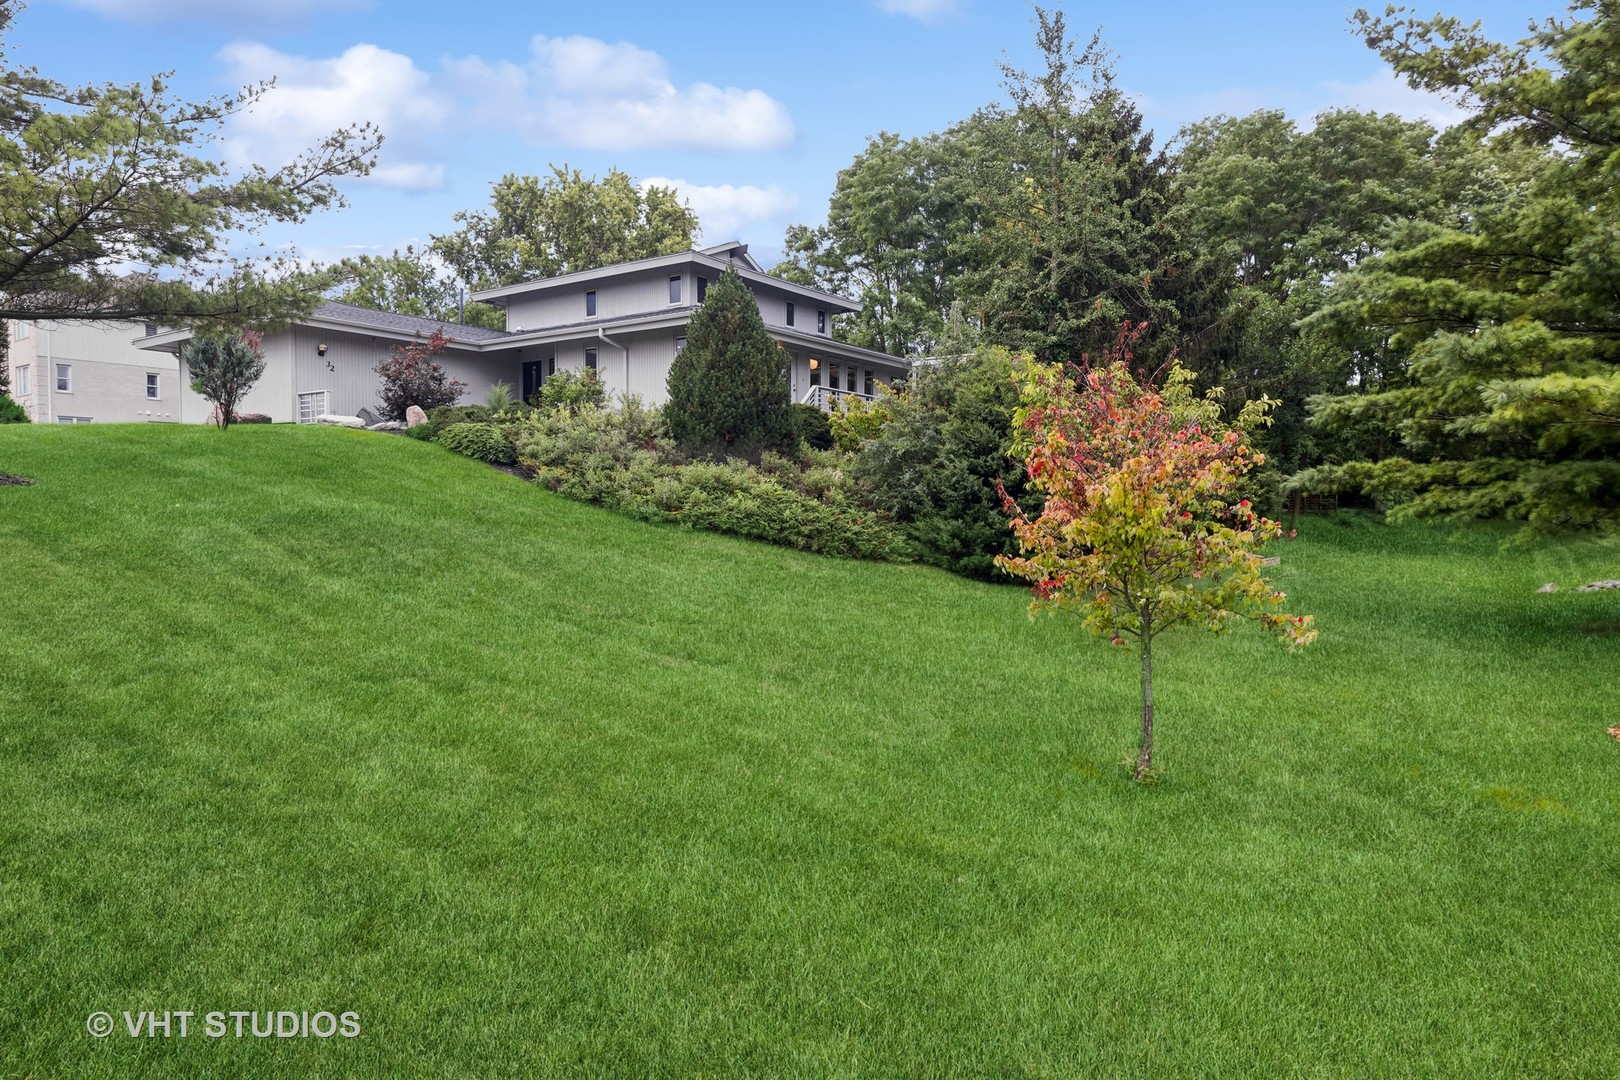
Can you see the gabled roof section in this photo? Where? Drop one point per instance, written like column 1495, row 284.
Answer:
column 722, row 257
column 347, row 315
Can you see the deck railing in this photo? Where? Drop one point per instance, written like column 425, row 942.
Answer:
column 826, row 398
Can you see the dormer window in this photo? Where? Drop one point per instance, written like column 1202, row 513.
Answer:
column 590, row 304
column 675, row 289
column 821, row 322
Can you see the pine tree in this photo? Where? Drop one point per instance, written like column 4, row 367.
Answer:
column 728, row 391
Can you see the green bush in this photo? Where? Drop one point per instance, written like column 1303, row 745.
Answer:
column 623, row 459
column 483, row 442
column 442, row 416
column 570, row 391
column 11, row 412
column 812, row 426
column 498, row 398
column 425, row 432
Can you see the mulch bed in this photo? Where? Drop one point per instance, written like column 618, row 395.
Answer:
column 7, row 480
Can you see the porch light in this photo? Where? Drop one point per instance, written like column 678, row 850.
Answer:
column 320, row 350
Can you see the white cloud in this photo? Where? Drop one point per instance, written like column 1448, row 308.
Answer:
column 926, row 10
column 1386, row 92
column 584, row 92
column 312, row 98
column 724, row 209
column 242, row 13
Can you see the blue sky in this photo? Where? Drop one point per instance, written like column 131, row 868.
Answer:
column 751, row 112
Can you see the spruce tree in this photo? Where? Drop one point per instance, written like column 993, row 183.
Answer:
column 728, row 391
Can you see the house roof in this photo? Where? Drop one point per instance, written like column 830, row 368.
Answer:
column 350, row 315
column 722, row 257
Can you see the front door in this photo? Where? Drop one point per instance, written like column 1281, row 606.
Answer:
column 532, row 378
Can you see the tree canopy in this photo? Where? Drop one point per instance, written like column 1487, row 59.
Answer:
column 1509, row 311
column 111, row 209
column 538, row 228
column 411, row 282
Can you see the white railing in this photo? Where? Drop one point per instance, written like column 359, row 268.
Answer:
column 826, row 398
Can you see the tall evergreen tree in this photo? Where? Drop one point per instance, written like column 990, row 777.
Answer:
column 1510, row 312
column 728, row 389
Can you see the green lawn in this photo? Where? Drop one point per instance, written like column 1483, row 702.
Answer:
column 316, row 719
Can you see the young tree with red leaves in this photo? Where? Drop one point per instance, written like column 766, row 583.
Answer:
column 411, row 376
column 1142, row 529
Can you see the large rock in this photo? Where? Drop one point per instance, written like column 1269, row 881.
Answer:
column 371, row 418
column 387, row 425
column 414, row 415
column 340, row 421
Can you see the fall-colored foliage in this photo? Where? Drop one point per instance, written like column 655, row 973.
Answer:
column 1142, row 528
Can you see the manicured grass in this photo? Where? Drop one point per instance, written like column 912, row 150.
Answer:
column 317, row 719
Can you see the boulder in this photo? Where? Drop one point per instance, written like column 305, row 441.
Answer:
column 340, row 421
column 371, row 418
column 387, row 425
column 414, row 415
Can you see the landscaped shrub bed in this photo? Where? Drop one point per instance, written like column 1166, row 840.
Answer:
column 484, row 442
column 623, row 459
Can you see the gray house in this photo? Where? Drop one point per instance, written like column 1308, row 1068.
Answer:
column 625, row 321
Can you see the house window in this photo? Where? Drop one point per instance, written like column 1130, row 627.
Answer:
column 869, row 387
column 151, row 329
column 20, row 330
column 675, row 289
column 815, row 372
column 680, row 343
column 25, row 381
column 821, row 322
column 703, row 288
column 72, row 419
column 832, row 376
column 311, row 405
column 790, row 313
column 850, row 378
column 590, row 304
column 551, row 366
column 64, row 378
column 152, row 387
column 590, row 359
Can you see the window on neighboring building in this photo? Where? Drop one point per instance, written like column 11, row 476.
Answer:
column 703, row 288
column 151, row 329
column 21, row 330
column 870, row 388
column 152, row 386
column 680, row 343
column 790, row 313
column 675, row 289
column 311, row 405
column 25, row 381
column 821, row 322
column 73, row 420
column 590, row 359
column 590, row 304
column 815, row 372
column 64, row 378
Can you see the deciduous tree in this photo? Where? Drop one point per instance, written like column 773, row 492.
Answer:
column 412, row 376
column 411, row 282
column 567, row 222
column 1141, row 529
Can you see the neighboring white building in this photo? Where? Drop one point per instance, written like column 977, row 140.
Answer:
column 626, row 321
column 84, row 372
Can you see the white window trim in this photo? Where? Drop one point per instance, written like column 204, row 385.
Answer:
column 326, row 404
column 154, row 386
column 60, row 419
column 60, row 389
column 25, row 380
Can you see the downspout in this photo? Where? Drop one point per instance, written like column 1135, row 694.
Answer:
column 602, row 334
column 49, row 373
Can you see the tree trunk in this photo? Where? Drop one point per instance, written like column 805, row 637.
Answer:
column 1144, row 761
